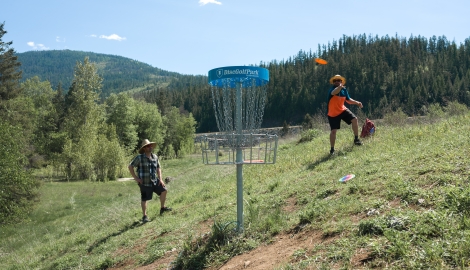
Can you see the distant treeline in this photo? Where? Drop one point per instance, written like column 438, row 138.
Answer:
column 384, row 73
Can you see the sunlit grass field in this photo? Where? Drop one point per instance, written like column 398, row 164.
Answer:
column 408, row 207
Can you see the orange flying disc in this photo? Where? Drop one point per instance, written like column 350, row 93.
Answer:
column 320, row 61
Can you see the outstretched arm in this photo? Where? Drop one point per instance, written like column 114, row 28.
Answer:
column 354, row 102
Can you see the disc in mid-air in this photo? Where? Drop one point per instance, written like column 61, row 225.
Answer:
column 346, row 177
column 320, row 61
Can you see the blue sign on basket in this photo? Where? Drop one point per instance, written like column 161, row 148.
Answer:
column 238, row 74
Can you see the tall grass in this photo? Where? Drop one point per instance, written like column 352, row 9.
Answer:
column 407, row 207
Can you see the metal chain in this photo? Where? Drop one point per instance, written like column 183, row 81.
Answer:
column 253, row 102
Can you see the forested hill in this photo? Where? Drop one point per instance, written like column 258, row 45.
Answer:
column 119, row 73
column 384, row 73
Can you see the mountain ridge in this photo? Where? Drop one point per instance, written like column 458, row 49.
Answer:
column 119, row 73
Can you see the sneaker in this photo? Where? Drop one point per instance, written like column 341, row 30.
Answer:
column 145, row 219
column 332, row 151
column 164, row 209
column 358, row 142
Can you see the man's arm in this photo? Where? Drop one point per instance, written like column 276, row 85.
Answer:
column 159, row 173
column 131, row 170
column 337, row 90
column 354, row 102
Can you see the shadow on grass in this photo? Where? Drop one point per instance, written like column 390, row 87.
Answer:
column 327, row 157
column 103, row 240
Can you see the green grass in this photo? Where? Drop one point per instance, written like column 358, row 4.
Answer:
column 407, row 208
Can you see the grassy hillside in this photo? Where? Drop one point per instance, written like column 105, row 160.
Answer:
column 407, row 208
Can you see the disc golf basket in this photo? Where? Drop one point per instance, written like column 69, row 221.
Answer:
column 239, row 96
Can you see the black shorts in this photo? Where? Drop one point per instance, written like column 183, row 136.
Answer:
column 335, row 122
column 147, row 192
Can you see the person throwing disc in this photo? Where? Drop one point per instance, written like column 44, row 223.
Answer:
column 337, row 95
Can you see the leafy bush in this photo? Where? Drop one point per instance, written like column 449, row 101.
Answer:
column 309, row 135
column 371, row 227
column 285, row 129
column 396, row 118
column 455, row 108
column 213, row 248
column 308, row 122
column 17, row 187
column 458, row 200
column 435, row 111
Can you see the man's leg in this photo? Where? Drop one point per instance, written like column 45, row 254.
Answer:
column 144, row 207
column 355, row 127
column 163, row 208
column 162, row 199
column 332, row 140
column 144, row 211
column 144, row 196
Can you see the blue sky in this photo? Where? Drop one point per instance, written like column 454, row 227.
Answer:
column 195, row 36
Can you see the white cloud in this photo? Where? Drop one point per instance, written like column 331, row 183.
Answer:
column 113, row 37
column 205, row 2
column 37, row 46
column 59, row 39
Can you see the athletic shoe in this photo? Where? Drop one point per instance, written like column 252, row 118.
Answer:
column 164, row 209
column 145, row 219
column 358, row 142
column 332, row 151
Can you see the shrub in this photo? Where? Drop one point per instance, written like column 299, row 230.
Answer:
column 455, row 108
column 396, row 118
column 435, row 111
column 309, row 135
column 285, row 129
column 370, row 227
column 307, row 123
column 17, row 186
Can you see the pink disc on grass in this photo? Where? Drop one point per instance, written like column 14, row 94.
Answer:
column 346, row 177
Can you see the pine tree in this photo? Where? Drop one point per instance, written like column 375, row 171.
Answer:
column 18, row 189
column 9, row 74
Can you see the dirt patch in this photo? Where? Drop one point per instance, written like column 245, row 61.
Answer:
column 163, row 263
column 289, row 247
column 279, row 252
column 124, row 179
column 291, row 205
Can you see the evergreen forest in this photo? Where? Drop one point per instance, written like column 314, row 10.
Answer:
column 384, row 73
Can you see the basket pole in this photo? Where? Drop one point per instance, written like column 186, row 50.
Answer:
column 239, row 157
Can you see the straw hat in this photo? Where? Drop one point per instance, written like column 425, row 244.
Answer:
column 145, row 143
column 336, row 77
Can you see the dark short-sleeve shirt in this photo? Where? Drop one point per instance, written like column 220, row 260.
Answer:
column 146, row 168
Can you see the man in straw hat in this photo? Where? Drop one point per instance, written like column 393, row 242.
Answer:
column 338, row 94
column 148, row 168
